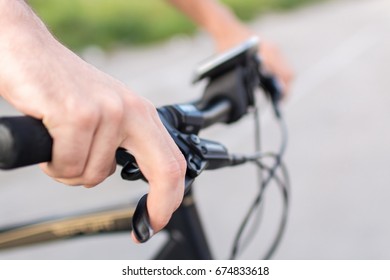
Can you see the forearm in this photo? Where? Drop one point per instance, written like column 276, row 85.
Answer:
column 21, row 31
column 214, row 17
column 16, row 14
column 23, row 41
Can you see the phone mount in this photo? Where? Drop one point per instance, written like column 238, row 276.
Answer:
column 232, row 75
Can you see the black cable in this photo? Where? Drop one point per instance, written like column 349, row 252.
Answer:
column 284, row 186
column 263, row 186
column 260, row 178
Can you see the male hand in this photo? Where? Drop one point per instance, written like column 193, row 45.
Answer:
column 88, row 113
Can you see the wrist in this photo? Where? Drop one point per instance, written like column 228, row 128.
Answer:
column 231, row 37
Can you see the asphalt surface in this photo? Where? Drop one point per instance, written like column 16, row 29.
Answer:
column 338, row 154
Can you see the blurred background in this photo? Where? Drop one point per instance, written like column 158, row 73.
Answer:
column 338, row 117
column 80, row 23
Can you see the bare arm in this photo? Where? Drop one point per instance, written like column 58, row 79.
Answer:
column 227, row 31
column 216, row 19
column 88, row 113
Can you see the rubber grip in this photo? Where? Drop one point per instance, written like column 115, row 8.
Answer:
column 23, row 141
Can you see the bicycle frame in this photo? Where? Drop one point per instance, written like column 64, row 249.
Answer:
column 186, row 240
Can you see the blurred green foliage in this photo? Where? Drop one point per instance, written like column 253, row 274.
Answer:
column 109, row 23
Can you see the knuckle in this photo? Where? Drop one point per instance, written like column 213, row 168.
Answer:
column 79, row 114
column 90, row 181
column 142, row 106
column 176, row 168
column 85, row 117
column 114, row 108
column 98, row 176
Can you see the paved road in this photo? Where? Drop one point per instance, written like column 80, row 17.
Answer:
column 338, row 152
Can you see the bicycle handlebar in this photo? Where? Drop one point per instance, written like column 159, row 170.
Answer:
column 25, row 141
column 230, row 92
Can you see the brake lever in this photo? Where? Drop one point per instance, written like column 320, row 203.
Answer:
column 143, row 231
column 200, row 154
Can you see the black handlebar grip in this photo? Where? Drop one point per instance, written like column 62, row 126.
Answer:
column 23, row 141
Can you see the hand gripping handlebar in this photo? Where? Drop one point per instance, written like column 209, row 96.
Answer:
column 25, row 141
column 227, row 97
